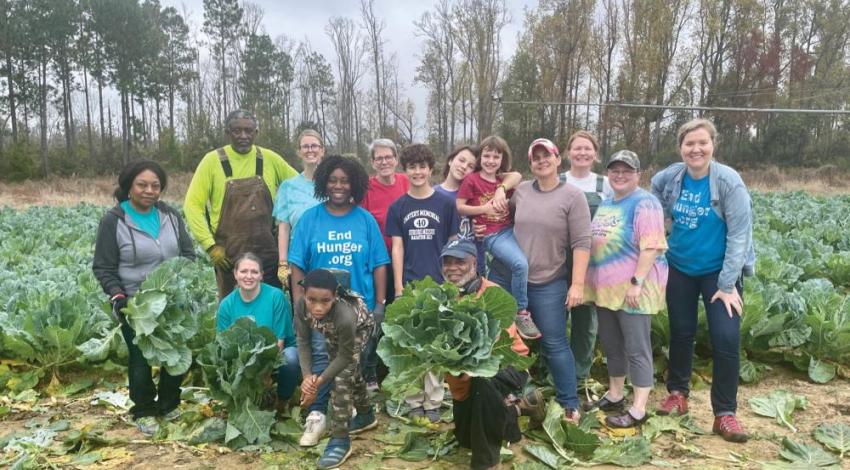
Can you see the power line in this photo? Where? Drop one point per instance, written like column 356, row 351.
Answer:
column 680, row 108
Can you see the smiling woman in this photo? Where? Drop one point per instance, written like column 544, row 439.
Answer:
column 133, row 238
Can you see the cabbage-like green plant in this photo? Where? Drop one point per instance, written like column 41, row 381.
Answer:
column 432, row 329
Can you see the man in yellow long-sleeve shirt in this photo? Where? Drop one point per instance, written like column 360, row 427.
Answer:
column 229, row 202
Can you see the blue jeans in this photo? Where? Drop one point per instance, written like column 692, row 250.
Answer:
column 503, row 246
column 583, row 324
column 149, row 399
column 289, row 374
column 319, row 358
column 683, row 292
column 546, row 302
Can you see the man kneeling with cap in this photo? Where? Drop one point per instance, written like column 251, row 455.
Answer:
column 486, row 409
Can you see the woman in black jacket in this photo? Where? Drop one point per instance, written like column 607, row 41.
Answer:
column 133, row 238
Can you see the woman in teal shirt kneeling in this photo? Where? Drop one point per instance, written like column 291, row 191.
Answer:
column 268, row 307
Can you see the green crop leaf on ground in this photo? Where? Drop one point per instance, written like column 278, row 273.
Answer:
column 779, row 405
column 835, row 436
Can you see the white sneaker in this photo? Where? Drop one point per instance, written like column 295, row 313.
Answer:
column 314, row 429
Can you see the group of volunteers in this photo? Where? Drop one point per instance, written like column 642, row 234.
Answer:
column 317, row 256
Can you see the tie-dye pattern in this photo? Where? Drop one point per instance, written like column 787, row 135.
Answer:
column 620, row 229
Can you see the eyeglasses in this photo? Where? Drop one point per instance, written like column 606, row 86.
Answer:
column 307, row 147
column 383, row 159
column 621, row 172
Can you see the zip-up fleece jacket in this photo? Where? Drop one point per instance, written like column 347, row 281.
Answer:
column 124, row 255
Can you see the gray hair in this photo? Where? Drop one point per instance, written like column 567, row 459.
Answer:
column 386, row 143
column 240, row 114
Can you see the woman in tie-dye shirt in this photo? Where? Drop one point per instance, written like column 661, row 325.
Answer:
column 626, row 279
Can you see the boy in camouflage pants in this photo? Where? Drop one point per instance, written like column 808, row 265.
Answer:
column 345, row 322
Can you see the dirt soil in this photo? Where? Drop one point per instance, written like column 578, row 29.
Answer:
column 826, row 403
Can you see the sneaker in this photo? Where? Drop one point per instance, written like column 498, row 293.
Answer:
column 148, row 425
column 362, row 422
column 625, row 420
column 314, row 429
column 729, row 428
column 572, row 416
column 675, row 403
column 525, row 325
column 605, row 404
column 335, row 454
column 433, row 415
column 532, row 404
column 372, row 386
column 416, row 413
column 172, row 415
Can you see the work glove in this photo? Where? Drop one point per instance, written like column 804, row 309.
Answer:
column 119, row 301
column 283, row 273
column 219, row 257
column 378, row 317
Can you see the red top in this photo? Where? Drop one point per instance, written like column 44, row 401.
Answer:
column 378, row 199
column 477, row 191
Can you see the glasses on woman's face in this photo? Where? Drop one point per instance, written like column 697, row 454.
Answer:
column 308, row 147
column 619, row 173
column 383, row 159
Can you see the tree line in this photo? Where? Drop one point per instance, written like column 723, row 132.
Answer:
column 88, row 85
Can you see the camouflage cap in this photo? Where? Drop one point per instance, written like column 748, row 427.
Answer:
column 626, row 156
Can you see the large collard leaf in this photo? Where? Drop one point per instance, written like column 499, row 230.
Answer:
column 630, row 452
column 820, row 371
column 568, row 440
column 779, row 405
column 811, row 456
column 234, row 367
column 162, row 314
column 431, row 329
column 835, row 436
column 253, row 424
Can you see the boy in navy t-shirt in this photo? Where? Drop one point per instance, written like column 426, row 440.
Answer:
column 420, row 223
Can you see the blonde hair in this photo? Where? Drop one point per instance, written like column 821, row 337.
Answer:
column 695, row 124
column 583, row 135
column 310, row 133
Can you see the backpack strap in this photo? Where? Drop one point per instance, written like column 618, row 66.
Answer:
column 225, row 163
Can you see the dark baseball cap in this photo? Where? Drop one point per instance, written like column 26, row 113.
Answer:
column 460, row 248
column 626, row 156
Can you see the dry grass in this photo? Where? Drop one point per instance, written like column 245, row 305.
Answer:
column 823, row 181
column 67, row 191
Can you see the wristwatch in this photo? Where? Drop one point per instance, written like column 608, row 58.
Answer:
column 636, row 281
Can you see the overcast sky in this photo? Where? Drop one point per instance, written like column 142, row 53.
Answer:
column 306, row 20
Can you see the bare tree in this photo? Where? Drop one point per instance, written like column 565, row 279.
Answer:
column 477, row 31
column 350, row 53
column 374, row 29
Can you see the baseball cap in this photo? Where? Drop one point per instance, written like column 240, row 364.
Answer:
column 545, row 143
column 626, row 156
column 460, row 248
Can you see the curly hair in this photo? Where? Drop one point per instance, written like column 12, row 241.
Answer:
column 357, row 177
column 417, row 153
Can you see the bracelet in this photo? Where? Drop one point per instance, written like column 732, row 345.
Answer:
column 503, row 187
column 283, row 263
